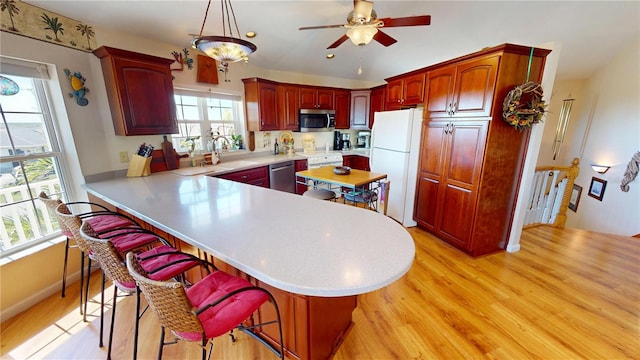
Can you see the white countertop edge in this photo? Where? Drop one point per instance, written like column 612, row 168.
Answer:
column 299, row 288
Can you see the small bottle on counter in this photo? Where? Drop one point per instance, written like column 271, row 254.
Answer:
column 276, row 149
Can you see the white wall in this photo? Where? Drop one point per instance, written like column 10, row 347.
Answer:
column 606, row 118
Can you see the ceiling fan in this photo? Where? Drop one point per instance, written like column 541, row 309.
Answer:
column 364, row 25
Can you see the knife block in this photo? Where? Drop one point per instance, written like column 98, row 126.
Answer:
column 139, row 166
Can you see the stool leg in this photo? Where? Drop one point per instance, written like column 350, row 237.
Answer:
column 82, row 284
column 113, row 320
column 137, row 328
column 102, row 310
column 64, row 269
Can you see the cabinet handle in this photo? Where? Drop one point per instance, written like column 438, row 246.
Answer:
column 244, row 176
column 453, row 108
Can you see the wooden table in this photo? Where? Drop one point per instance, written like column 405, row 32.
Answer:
column 350, row 186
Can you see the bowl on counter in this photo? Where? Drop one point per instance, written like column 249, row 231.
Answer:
column 341, row 170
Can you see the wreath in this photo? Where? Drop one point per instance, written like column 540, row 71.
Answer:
column 523, row 106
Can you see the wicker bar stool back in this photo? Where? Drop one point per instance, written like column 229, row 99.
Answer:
column 213, row 306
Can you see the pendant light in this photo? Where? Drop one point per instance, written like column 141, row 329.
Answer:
column 224, row 49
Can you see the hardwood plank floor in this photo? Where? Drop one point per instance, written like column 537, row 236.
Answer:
column 566, row 294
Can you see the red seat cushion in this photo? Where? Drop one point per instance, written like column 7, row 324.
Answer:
column 102, row 223
column 150, row 262
column 227, row 315
column 125, row 242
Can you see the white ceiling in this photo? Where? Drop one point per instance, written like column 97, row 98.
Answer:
column 590, row 33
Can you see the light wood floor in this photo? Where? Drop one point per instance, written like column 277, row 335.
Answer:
column 566, row 294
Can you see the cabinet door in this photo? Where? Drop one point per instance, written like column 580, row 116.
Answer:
column 394, row 94
column 308, row 98
column 325, row 99
column 267, row 106
column 300, row 165
column 376, row 103
column 288, row 97
column 474, row 85
column 343, row 105
column 413, row 90
column 439, row 87
column 430, row 172
column 360, row 109
column 463, row 164
column 140, row 92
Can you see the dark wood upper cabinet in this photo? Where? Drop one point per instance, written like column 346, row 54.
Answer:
column 405, row 91
column 316, row 98
column 462, row 90
column 342, row 108
column 376, row 102
column 288, row 106
column 261, row 104
column 140, row 92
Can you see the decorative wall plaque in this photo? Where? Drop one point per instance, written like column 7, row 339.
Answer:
column 207, row 70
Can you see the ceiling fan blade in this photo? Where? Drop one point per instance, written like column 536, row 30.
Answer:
column 362, row 10
column 384, row 39
column 407, row 21
column 338, row 42
column 320, row 27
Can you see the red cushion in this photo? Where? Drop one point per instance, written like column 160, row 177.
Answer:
column 127, row 242
column 152, row 263
column 149, row 264
column 225, row 316
column 101, row 223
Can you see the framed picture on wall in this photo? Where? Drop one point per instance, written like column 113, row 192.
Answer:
column 575, row 197
column 596, row 190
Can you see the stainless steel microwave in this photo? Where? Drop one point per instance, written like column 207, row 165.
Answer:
column 315, row 120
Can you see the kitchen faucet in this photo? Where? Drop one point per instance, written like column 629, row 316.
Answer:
column 217, row 153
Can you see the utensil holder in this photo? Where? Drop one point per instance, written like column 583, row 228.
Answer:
column 139, row 166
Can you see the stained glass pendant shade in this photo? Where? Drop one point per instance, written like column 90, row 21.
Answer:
column 224, row 48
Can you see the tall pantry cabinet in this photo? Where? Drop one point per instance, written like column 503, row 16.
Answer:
column 470, row 159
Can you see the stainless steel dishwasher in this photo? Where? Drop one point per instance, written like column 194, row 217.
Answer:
column 282, row 176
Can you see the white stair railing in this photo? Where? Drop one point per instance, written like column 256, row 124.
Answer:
column 549, row 197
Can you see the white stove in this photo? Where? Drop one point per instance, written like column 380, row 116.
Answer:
column 322, row 158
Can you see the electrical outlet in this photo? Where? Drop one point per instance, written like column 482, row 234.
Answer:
column 124, row 156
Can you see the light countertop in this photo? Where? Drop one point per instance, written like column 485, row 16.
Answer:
column 297, row 244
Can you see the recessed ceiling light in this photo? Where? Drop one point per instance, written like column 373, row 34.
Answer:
column 330, row 56
column 251, row 34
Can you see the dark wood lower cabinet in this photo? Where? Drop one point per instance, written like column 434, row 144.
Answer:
column 257, row 176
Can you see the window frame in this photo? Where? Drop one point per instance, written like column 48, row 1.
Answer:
column 41, row 87
column 204, row 123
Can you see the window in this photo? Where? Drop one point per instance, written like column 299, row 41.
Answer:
column 30, row 158
column 203, row 115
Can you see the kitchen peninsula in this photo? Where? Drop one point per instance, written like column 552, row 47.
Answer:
column 316, row 256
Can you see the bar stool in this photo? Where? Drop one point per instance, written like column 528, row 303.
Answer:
column 101, row 220
column 162, row 262
column 213, row 306
column 322, row 194
column 124, row 238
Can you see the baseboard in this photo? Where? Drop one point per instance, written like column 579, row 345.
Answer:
column 32, row 300
column 514, row 248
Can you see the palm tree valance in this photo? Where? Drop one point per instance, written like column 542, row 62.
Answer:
column 37, row 23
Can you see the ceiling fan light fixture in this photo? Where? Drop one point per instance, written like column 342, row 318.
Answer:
column 362, row 35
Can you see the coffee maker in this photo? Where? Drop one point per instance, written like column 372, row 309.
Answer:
column 364, row 139
column 337, row 140
column 346, row 141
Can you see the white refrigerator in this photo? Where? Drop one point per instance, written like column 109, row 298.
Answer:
column 395, row 148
